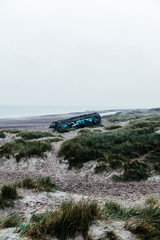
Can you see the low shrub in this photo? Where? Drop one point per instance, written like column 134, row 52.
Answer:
column 70, row 219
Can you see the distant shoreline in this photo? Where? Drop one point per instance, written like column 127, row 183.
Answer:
column 41, row 122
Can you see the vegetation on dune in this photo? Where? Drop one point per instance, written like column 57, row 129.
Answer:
column 56, row 139
column 13, row 220
column 149, row 121
column 72, row 218
column 147, row 224
column 144, row 220
column 39, row 184
column 84, row 131
column 29, row 135
column 135, row 116
column 75, row 218
column 111, row 235
column 121, row 117
column 119, row 149
column 97, row 130
column 25, row 149
column 8, row 193
column 2, row 134
column 12, row 131
column 134, row 170
column 113, row 127
column 101, row 167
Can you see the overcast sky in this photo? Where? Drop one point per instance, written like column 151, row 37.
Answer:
column 80, row 52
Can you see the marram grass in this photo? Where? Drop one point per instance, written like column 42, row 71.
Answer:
column 72, row 218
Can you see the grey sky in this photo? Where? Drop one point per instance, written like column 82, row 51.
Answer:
column 80, row 52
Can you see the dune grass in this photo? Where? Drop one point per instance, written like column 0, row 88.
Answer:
column 119, row 149
column 134, row 170
column 39, row 184
column 147, row 224
column 72, row 218
column 25, row 149
column 144, row 220
column 13, row 220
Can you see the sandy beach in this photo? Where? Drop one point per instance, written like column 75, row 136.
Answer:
column 34, row 123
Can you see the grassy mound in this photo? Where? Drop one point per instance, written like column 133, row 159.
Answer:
column 70, row 219
column 118, row 148
column 25, row 149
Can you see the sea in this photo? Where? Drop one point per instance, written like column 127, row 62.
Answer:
column 21, row 111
